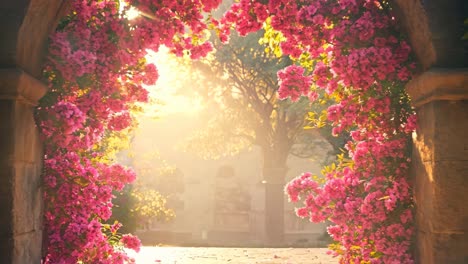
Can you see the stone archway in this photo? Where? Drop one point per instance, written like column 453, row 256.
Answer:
column 440, row 144
column 25, row 26
column 440, row 93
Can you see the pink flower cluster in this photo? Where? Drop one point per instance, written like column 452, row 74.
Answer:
column 131, row 242
column 79, row 196
column 293, row 84
column 65, row 119
column 362, row 62
column 96, row 70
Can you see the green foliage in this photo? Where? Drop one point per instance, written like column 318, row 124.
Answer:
column 316, row 117
column 239, row 80
column 136, row 206
column 122, row 211
column 113, row 142
column 156, row 191
column 149, row 205
column 149, row 198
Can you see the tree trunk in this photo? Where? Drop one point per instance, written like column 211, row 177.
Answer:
column 274, row 172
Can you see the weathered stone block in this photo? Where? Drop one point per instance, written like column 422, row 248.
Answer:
column 450, row 197
column 442, row 211
column 450, row 134
column 423, row 138
column 20, row 169
column 27, row 249
column 27, row 209
column 440, row 165
column 441, row 188
column 424, row 192
column 441, row 98
column 441, row 248
column 27, row 143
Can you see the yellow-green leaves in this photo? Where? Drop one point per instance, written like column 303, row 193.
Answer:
column 272, row 39
column 316, row 120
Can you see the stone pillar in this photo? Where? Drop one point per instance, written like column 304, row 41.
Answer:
column 440, row 165
column 274, row 205
column 21, row 203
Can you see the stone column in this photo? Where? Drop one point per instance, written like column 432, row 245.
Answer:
column 21, row 203
column 440, row 165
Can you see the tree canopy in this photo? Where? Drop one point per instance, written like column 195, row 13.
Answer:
column 240, row 80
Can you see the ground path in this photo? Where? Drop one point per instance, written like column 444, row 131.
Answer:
column 210, row 255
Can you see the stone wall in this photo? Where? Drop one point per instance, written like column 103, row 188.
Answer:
column 440, row 154
column 20, row 168
column 24, row 29
column 435, row 30
column 440, row 166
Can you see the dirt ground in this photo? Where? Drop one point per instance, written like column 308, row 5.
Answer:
column 210, row 255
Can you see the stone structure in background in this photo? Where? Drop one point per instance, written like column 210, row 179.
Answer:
column 231, row 202
column 224, row 200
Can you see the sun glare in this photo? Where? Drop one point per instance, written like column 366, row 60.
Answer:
column 132, row 13
column 164, row 94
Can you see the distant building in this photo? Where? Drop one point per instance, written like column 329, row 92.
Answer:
column 221, row 201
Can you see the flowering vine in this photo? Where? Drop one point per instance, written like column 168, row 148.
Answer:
column 349, row 52
column 96, row 71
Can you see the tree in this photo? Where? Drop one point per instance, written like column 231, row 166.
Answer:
column 240, row 82
column 359, row 58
